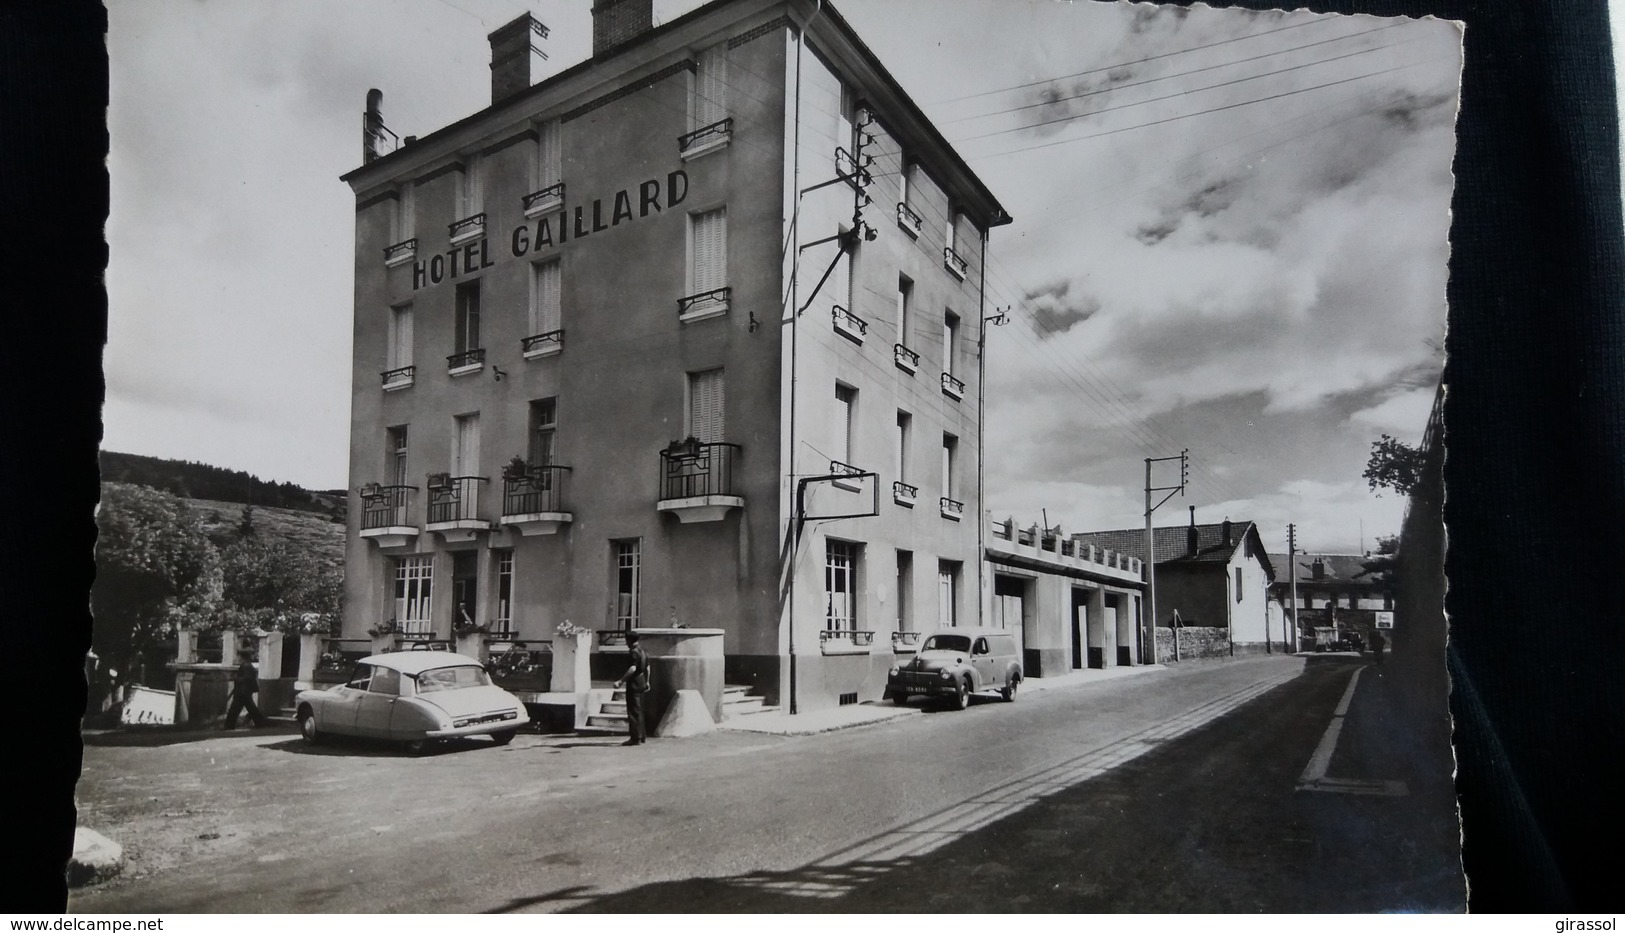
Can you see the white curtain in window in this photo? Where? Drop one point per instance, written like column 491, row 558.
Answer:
column 466, row 462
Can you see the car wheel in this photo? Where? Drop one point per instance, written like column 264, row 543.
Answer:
column 899, row 699
column 1009, row 692
column 416, row 746
column 307, row 726
column 503, row 738
column 962, row 695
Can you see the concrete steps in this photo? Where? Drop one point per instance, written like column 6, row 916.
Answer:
column 609, row 718
column 738, row 701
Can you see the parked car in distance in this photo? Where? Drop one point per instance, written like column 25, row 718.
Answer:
column 413, row 697
column 954, row 663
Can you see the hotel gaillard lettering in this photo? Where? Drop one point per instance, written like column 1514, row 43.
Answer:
column 584, row 220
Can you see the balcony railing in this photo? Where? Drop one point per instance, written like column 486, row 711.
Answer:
column 691, row 469
column 704, row 304
column 952, row 387
column 404, row 251
column 537, row 489
column 904, row 494
column 547, row 199
column 706, row 138
column 465, row 360
column 907, row 360
column 385, row 506
column 908, row 220
column 454, row 498
column 905, row 639
column 398, row 378
column 952, row 508
column 543, row 344
column 954, row 262
column 467, row 228
column 849, row 325
column 843, row 637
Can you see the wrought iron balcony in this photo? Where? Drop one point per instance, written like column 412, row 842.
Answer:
column 907, row 360
column 849, row 325
column 543, row 344
column 953, row 388
column 908, row 220
column 952, row 508
column 454, row 506
column 954, row 263
column 705, row 139
column 540, row 202
column 533, row 498
column 465, row 362
column 385, row 514
column 704, row 305
column 404, row 251
column 904, row 494
column 398, row 378
column 836, row 466
column 468, row 228
column 697, row 480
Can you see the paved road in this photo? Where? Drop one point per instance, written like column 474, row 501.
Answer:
column 1170, row 791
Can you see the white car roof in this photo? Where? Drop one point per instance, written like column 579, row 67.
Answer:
column 416, row 662
column 969, row 631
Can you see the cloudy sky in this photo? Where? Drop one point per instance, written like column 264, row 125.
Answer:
column 1231, row 233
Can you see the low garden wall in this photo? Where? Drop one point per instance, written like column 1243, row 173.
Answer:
column 1195, row 643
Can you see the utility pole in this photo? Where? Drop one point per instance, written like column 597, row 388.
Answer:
column 1149, row 624
column 1292, row 574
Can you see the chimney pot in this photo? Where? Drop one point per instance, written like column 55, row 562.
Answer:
column 617, row 22
column 1226, row 527
column 372, row 126
column 1192, row 536
column 516, row 55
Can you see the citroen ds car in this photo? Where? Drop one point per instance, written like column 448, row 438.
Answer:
column 412, row 697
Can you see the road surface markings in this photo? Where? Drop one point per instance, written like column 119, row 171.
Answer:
column 1314, row 774
column 838, row 873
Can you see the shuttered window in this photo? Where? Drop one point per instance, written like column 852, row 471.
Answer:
column 706, row 406
column 549, row 155
column 400, row 336
column 405, row 215
column 708, row 249
column 467, row 334
column 905, row 291
column 546, row 294
column 711, row 87
column 845, row 398
column 470, row 194
column 950, row 335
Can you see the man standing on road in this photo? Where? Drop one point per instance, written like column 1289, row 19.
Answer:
column 636, row 680
column 1377, row 644
column 245, row 683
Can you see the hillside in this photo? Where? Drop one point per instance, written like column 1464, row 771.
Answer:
column 191, row 480
column 319, row 535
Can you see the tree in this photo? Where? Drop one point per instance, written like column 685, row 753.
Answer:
column 1384, row 565
column 155, row 571
column 270, row 584
column 1394, row 465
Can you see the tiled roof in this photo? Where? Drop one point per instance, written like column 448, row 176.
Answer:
column 1172, row 542
column 1339, row 568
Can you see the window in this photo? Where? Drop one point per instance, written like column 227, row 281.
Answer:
column 846, row 398
column 544, row 423
column 904, row 421
column 546, row 289
column 905, row 583
column 628, row 571
column 950, row 339
column 846, row 122
column 470, row 194
column 549, row 155
column 708, row 250
column 947, row 592
column 413, row 579
column 950, row 448
column 1238, row 584
column 905, row 293
column 950, row 240
column 400, row 336
column 361, row 678
column 710, row 103
column 467, row 317
column 502, row 618
column 385, row 680
column 404, row 221
column 465, row 461
column 840, row 585
column 395, row 446
column 465, row 590
column 903, row 170
column 706, row 405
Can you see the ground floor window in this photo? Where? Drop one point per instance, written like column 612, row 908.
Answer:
column 840, row 586
column 628, row 577
column 413, row 578
column 1007, row 595
column 502, row 618
column 948, row 593
column 905, row 583
column 465, row 580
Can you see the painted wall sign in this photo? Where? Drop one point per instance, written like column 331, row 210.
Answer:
column 582, row 221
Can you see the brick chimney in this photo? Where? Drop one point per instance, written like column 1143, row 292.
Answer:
column 617, row 22
column 516, row 56
column 1226, row 531
column 1192, row 536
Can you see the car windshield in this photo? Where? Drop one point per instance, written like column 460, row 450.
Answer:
column 453, row 678
column 947, row 643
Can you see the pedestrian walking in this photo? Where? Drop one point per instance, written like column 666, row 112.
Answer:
column 245, row 683
column 1377, row 644
column 636, row 680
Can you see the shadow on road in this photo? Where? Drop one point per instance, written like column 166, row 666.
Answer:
column 158, row 736
column 356, row 747
column 1206, row 822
